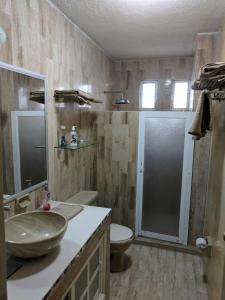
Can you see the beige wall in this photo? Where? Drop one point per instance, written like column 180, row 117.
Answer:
column 129, row 75
column 2, row 237
column 116, row 164
column 215, row 209
column 207, row 50
column 41, row 39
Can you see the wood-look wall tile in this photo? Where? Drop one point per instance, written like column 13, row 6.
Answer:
column 207, row 47
column 129, row 75
column 116, row 173
column 42, row 40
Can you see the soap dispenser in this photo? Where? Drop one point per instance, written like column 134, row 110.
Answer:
column 73, row 137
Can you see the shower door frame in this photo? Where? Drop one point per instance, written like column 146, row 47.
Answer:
column 186, row 176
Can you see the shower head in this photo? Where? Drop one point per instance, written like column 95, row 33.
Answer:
column 121, row 100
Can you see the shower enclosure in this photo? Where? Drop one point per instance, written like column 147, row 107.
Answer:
column 165, row 153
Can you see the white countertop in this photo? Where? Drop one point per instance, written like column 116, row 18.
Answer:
column 35, row 278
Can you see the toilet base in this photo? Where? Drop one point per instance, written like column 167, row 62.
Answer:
column 117, row 262
column 121, row 238
column 120, row 264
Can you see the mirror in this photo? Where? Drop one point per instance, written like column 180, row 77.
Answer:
column 23, row 125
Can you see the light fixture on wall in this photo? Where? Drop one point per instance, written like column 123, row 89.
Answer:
column 121, row 100
column 2, row 36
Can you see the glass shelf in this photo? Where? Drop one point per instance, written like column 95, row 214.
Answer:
column 79, row 146
column 40, row 147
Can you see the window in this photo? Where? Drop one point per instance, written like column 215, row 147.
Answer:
column 180, row 94
column 148, row 94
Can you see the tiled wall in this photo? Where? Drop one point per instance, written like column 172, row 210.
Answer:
column 207, row 50
column 76, row 169
column 129, row 75
column 42, row 40
column 116, row 164
column 215, row 206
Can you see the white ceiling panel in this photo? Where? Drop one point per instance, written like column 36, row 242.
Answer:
column 145, row 28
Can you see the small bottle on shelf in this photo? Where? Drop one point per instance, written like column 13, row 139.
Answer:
column 63, row 142
column 62, row 138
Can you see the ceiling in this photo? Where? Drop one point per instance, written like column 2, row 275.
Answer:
column 128, row 29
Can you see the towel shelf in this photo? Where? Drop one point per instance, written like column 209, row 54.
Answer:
column 80, row 97
column 37, row 96
column 216, row 94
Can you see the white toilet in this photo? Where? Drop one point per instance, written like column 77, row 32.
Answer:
column 120, row 236
column 120, row 240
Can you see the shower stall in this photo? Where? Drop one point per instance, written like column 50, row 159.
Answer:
column 164, row 172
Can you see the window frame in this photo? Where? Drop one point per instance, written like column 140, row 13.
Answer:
column 187, row 108
column 140, row 94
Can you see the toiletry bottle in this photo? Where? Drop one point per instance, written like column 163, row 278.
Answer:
column 63, row 142
column 73, row 137
column 46, row 203
column 62, row 137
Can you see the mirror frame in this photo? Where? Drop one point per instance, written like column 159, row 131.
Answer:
column 44, row 78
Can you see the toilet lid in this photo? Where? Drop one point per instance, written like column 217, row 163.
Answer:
column 119, row 233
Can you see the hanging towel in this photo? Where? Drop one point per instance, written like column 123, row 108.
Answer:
column 211, row 77
column 203, row 117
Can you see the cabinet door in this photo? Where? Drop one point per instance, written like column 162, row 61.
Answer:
column 94, row 262
column 98, row 266
column 94, row 288
column 90, row 282
column 81, row 284
column 68, row 296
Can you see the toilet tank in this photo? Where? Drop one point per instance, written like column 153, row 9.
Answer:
column 85, row 198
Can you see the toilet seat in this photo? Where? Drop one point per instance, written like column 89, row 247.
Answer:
column 119, row 233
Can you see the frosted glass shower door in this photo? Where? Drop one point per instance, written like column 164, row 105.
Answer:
column 165, row 154
column 29, row 148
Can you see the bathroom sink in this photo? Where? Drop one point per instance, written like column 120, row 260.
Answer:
column 34, row 234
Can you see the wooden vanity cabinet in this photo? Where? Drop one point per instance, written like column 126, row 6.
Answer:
column 87, row 278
